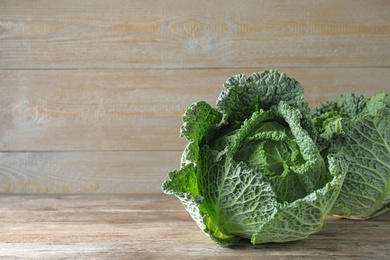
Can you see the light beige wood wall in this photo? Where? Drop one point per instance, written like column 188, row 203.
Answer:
column 92, row 92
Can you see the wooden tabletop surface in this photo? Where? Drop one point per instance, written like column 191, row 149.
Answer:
column 156, row 226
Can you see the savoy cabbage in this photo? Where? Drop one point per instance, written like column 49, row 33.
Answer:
column 252, row 168
column 356, row 131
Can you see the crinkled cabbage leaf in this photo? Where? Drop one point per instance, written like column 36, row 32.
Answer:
column 251, row 169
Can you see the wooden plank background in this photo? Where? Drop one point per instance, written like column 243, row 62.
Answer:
column 92, row 92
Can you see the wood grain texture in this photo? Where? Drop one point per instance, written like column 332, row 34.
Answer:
column 193, row 34
column 156, row 226
column 92, row 92
column 90, row 110
column 86, row 172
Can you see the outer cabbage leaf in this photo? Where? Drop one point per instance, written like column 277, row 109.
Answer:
column 348, row 105
column 357, row 131
column 261, row 90
column 251, row 169
column 305, row 216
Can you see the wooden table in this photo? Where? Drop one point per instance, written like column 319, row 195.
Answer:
column 156, row 226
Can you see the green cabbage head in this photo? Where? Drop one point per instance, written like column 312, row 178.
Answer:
column 356, row 131
column 252, row 169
